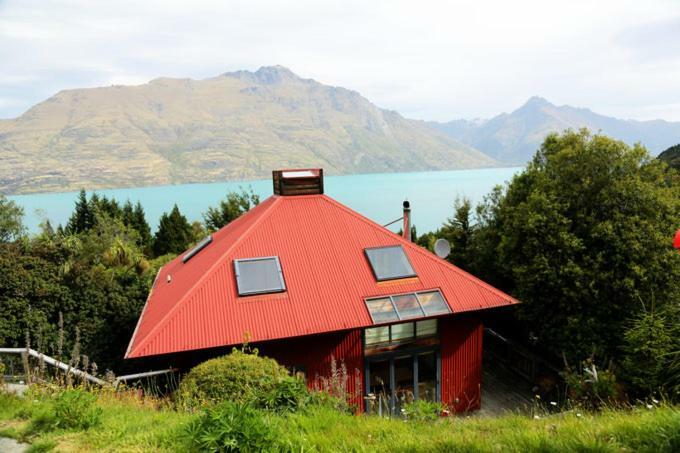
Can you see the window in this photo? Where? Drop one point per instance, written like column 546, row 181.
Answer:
column 382, row 310
column 433, row 303
column 407, row 306
column 389, row 263
column 200, row 246
column 259, row 276
column 400, row 333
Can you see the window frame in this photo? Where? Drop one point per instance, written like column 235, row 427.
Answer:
column 375, row 274
column 195, row 250
column 396, row 342
column 394, row 306
column 237, row 274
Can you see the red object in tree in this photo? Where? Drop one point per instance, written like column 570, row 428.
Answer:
column 676, row 242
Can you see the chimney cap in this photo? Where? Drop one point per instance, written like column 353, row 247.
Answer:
column 298, row 181
column 407, row 205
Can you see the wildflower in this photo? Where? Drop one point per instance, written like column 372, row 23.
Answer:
column 649, row 406
column 553, row 403
column 536, row 417
column 538, row 397
column 578, row 414
column 655, row 401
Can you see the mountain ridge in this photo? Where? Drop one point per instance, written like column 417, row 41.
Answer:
column 234, row 126
column 513, row 138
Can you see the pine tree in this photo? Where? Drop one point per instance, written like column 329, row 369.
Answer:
column 83, row 217
column 140, row 224
column 174, row 233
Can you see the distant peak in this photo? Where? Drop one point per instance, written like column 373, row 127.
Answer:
column 537, row 101
column 266, row 75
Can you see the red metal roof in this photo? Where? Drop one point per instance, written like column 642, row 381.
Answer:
column 320, row 244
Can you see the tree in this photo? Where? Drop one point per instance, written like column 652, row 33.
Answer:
column 174, row 233
column 458, row 231
column 581, row 237
column 229, row 209
column 671, row 156
column 83, row 216
column 11, row 220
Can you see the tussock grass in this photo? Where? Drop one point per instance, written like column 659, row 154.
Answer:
column 130, row 423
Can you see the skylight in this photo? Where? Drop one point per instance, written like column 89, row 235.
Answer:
column 389, row 263
column 200, row 246
column 407, row 306
column 259, row 275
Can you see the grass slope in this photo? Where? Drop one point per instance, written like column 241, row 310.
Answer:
column 130, row 424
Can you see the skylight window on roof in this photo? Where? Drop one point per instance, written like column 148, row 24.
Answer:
column 433, row 303
column 389, row 263
column 194, row 251
column 399, row 307
column 382, row 310
column 259, row 276
column 407, row 306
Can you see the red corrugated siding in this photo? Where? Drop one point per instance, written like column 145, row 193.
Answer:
column 320, row 244
column 461, row 363
column 315, row 354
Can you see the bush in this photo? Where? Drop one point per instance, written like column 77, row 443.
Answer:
column 232, row 427
column 422, row 410
column 591, row 388
column 289, row 394
column 239, row 377
column 76, row 409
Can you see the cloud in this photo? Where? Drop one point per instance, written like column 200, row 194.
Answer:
column 425, row 59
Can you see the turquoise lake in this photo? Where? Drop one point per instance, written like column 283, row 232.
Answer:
column 377, row 196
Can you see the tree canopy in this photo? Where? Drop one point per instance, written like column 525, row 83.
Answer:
column 234, row 205
column 583, row 237
column 11, row 218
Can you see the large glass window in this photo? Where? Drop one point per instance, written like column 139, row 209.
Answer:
column 389, row 263
column 400, row 333
column 395, row 379
column 259, row 275
column 407, row 306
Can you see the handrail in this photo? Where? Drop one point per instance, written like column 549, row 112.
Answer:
column 69, row 369
column 54, row 362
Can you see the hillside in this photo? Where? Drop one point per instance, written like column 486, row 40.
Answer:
column 672, row 156
column 239, row 125
column 513, row 138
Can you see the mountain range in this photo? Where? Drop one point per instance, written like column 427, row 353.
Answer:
column 236, row 126
column 513, row 138
column 241, row 125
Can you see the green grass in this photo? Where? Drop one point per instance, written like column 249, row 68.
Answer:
column 130, row 424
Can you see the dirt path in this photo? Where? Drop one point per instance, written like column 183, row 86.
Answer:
column 11, row 446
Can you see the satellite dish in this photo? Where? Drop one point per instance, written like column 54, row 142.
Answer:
column 442, row 248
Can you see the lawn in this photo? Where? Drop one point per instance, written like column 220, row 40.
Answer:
column 128, row 423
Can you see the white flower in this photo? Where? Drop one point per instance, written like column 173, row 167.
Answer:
column 578, row 414
column 649, row 406
column 553, row 403
column 655, row 401
column 536, row 417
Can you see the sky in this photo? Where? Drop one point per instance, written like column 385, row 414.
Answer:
column 425, row 59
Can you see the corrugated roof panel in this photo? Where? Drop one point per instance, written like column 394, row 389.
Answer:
column 320, row 244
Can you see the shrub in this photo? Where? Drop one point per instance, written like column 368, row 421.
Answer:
column 232, row 427
column 422, row 410
column 289, row 394
column 239, row 377
column 76, row 409
column 591, row 388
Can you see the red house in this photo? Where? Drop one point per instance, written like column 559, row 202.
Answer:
column 307, row 281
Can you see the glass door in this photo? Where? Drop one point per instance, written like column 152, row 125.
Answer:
column 393, row 380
